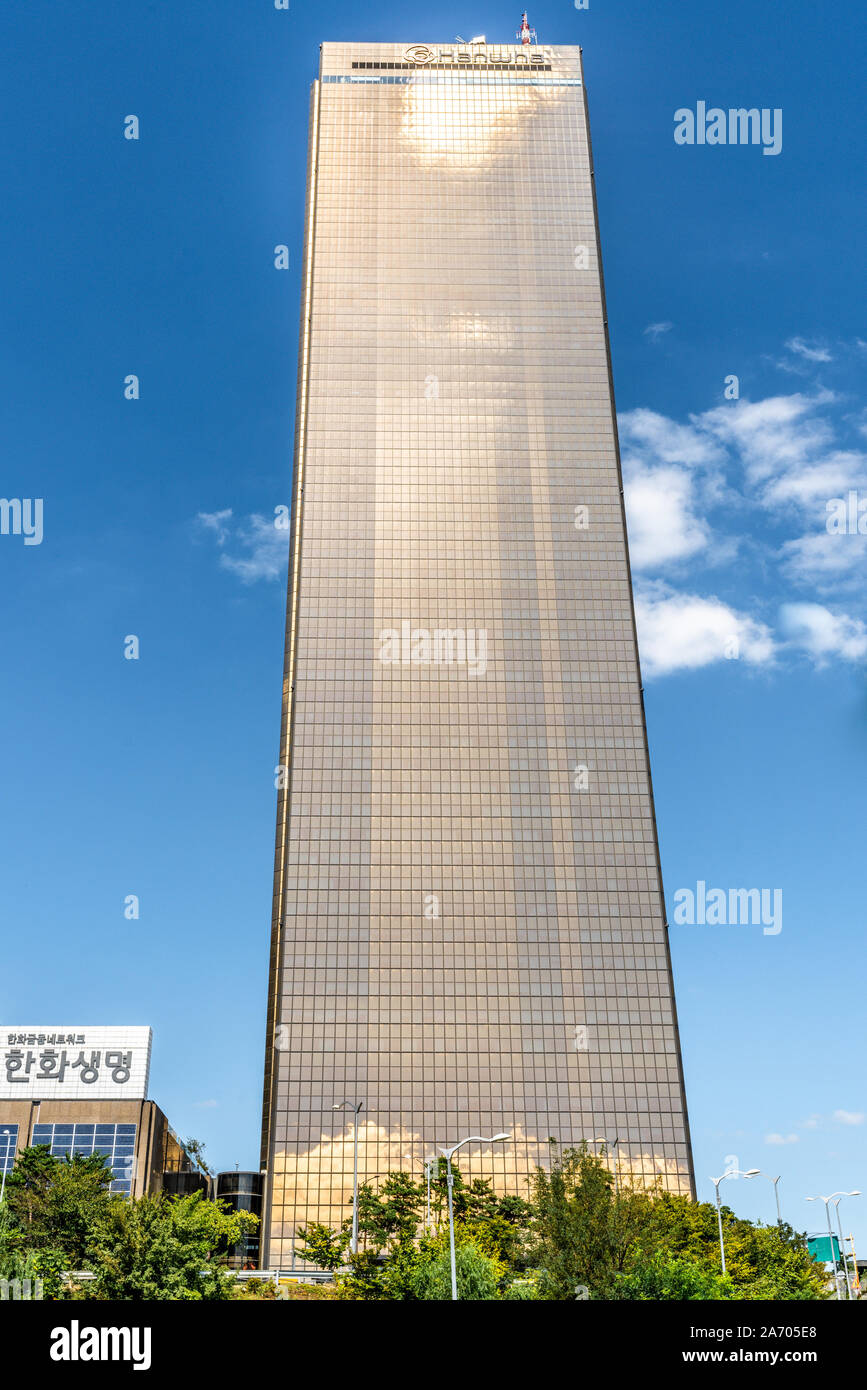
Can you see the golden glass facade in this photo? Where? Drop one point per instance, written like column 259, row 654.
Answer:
column 468, row 930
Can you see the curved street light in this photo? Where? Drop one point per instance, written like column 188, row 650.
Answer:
column 470, row 1139
column 854, row 1193
column 427, row 1166
column 757, row 1173
column 827, row 1201
column 733, row 1173
column 355, row 1107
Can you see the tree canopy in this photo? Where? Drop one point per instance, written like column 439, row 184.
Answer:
column 576, row 1235
column 59, row 1218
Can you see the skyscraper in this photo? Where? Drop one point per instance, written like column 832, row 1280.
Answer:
column 469, row 932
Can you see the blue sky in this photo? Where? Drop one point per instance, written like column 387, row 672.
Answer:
column 155, row 777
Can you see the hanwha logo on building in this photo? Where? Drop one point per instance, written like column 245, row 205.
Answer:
column 419, row 53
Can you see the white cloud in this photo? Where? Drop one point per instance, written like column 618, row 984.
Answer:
column 666, row 441
column 670, row 472
column 780, row 453
column 813, row 352
column 656, row 330
column 260, row 547
column 685, row 632
column 659, row 510
column 825, row 561
column 785, row 449
column 830, row 477
column 216, row 523
column 781, row 1139
column 206, row 1104
column 778, row 435
column 823, row 634
column 267, row 549
column 849, row 1117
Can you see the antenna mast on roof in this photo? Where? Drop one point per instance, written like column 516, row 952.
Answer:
column 525, row 33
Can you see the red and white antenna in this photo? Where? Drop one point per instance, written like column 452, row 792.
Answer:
column 525, row 33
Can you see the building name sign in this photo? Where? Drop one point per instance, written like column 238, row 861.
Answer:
column 73, row 1063
column 479, row 55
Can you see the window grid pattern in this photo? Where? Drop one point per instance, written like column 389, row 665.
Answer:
column 467, row 942
column 116, row 1142
column 8, row 1147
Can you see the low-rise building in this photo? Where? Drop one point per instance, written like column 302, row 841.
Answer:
column 83, row 1090
column 242, row 1192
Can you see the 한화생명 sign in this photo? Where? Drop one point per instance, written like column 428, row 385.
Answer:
column 74, row 1063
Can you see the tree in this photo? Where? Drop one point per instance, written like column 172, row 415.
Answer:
column 391, row 1216
column 322, row 1246
column 56, row 1201
column 160, row 1247
column 196, row 1151
column 11, row 1239
column 28, row 1183
column 582, row 1232
column 762, row 1262
column 767, row 1262
column 666, row 1278
column 77, row 1197
column 478, row 1275
column 383, row 1266
column 578, row 1233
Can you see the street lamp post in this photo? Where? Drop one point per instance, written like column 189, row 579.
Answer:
column 735, row 1173
column 355, row 1107
column 471, row 1139
column 856, row 1193
column 760, row 1174
column 843, row 1261
column 827, row 1201
column 427, row 1166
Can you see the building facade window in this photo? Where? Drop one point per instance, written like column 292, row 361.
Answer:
column 8, row 1147
column 116, row 1142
